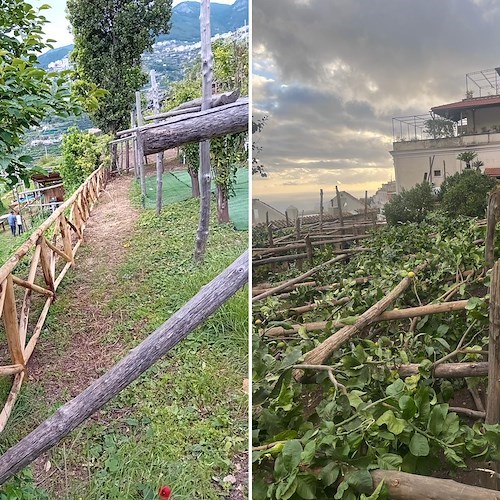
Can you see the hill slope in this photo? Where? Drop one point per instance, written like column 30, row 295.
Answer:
column 185, row 25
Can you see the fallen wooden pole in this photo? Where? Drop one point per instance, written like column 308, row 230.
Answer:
column 321, row 353
column 411, row 312
column 479, row 415
column 404, row 486
column 312, row 307
column 447, row 370
column 258, row 291
column 299, row 278
column 139, row 359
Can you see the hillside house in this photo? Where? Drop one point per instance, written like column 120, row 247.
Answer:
column 349, row 203
column 426, row 147
column 260, row 209
column 384, row 194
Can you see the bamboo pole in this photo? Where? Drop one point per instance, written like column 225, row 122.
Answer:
column 404, row 486
column 321, row 353
column 321, row 209
column 162, row 340
column 298, row 279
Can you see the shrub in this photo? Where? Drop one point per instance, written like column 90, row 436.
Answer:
column 466, row 193
column 82, row 154
column 410, row 206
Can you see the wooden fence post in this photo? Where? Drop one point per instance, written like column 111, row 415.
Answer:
column 339, row 205
column 492, row 217
column 309, row 249
column 321, row 210
column 493, row 401
column 11, row 325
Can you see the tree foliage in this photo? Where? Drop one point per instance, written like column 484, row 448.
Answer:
column 82, row 153
column 468, row 157
column 439, row 127
column 28, row 93
column 466, row 193
column 410, row 206
column 110, row 37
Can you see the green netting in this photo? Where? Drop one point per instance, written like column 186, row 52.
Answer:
column 177, row 187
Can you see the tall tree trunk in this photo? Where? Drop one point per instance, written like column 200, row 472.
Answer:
column 222, row 206
column 207, row 74
column 195, row 183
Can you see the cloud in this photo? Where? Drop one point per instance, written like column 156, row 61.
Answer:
column 331, row 74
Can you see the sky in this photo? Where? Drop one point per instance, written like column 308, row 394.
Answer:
column 58, row 26
column 331, row 74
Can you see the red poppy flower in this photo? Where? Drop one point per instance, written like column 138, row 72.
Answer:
column 164, row 492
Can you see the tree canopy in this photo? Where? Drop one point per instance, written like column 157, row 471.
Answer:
column 110, row 37
column 28, row 93
column 410, row 206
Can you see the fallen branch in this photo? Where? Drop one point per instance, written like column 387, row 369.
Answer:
column 321, row 353
column 139, row 359
column 468, row 412
column 410, row 312
column 447, row 370
column 299, row 278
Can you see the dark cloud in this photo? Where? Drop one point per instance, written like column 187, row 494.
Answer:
column 331, row 74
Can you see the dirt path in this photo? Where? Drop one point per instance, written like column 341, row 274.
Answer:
column 83, row 358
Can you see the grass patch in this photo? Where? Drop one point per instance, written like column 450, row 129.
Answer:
column 183, row 421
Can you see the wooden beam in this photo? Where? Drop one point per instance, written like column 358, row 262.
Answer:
column 32, row 286
column 447, row 370
column 404, row 486
column 11, row 325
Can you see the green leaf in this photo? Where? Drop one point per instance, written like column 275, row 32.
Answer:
column 453, row 458
column 407, row 404
column 291, row 454
column 309, row 452
column 389, row 461
column 395, row 388
column 437, row 419
column 361, row 481
column 394, row 424
column 378, row 494
column 287, row 487
column 419, row 445
column 329, row 473
column 306, row 486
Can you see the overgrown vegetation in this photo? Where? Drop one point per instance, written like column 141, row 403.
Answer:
column 410, row 206
column 317, row 439
column 27, row 92
column 82, row 153
column 466, row 193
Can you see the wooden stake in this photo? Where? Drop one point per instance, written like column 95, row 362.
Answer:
column 493, row 403
column 321, row 208
column 339, row 205
column 309, row 249
column 493, row 214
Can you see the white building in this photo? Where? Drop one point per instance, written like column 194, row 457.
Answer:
column 472, row 124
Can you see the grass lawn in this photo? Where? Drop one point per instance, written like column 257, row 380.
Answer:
column 185, row 421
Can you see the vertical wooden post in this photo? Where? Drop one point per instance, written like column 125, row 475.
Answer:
column 493, row 401
column 127, row 156
column 159, row 156
column 366, row 206
column 287, row 219
column 140, row 147
column 46, row 264
column 66, row 236
column 11, row 325
column 493, row 404
column 339, row 206
column 270, row 234
column 321, row 210
column 207, row 75
column 309, row 249
column 267, row 218
column 297, row 227
column 492, row 217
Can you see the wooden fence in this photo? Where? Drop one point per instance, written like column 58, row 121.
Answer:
column 38, row 266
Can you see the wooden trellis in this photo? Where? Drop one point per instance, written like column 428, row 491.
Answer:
column 38, row 267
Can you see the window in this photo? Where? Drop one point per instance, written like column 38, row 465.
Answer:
column 437, row 173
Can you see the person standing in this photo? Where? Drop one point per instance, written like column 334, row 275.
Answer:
column 12, row 222
column 19, row 222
